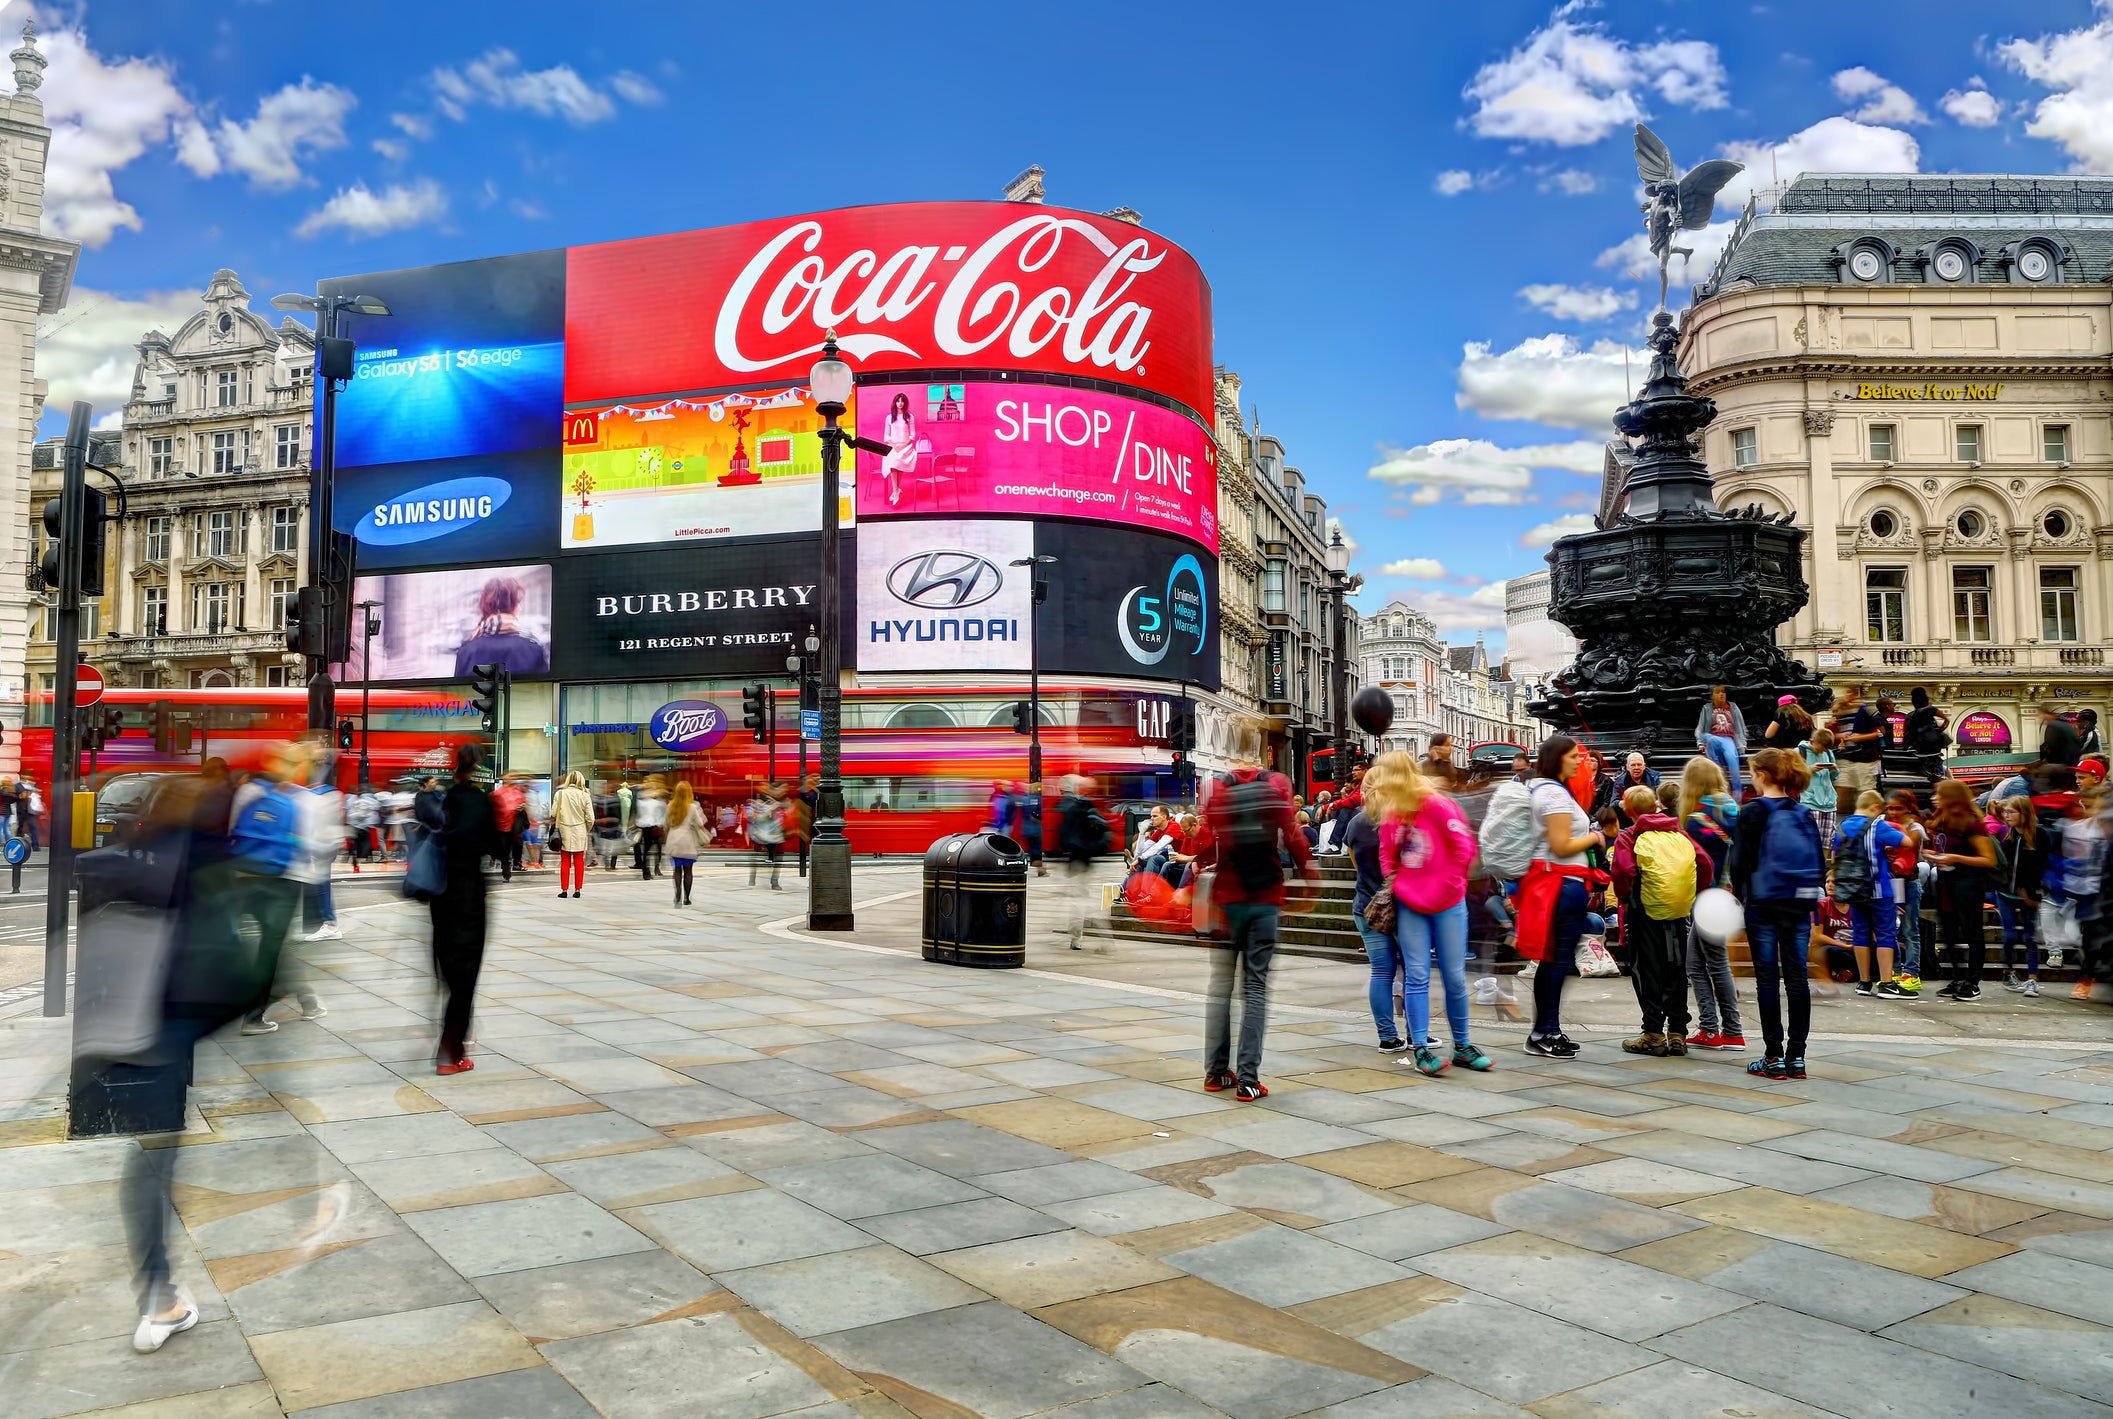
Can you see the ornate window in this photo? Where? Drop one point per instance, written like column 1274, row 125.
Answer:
column 1949, row 261
column 1972, row 616
column 1970, row 525
column 2056, row 524
column 1884, row 525
column 1885, row 603
column 2033, row 261
column 2058, row 604
column 154, row 610
column 1864, row 261
column 285, row 529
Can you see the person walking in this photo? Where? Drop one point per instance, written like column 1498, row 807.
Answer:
column 1438, row 768
column 507, row 800
column 649, row 815
column 1966, row 859
column 1426, row 845
column 1859, row 743
column 1720, row 733
column 2059, row 741
column 572, row 819
column 1082, row 836
column 323, row 831
column 266, row 849
column 765, row 817
column 2018, row 891
column 1375, row 924
column 1247, row 822
column 685, row 839
column 468, row 835
column 1790, row 726
column 1657, row 871
column 1555, row 894
column 2088, row 742
column 1777, row 871
column 1819, row 795
column 1927, row 733
column 1862, row 884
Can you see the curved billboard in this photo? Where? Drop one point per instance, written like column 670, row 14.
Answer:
column 915, row 285
column 1036, row 450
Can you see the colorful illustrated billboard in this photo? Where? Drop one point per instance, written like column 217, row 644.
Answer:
column 438, row 625
column 1984, row 730
column 941, row 595
column 1037, row 450
column 744, row 464
column 963, row 285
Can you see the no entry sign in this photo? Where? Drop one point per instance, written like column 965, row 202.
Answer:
column 87, row 685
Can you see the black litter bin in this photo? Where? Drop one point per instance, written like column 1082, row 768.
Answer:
column 975, row 901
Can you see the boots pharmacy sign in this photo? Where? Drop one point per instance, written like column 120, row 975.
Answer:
column 983, row 285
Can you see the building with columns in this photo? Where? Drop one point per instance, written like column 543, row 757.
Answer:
column 36, row 279
column 1918, row 368
column 214, row 453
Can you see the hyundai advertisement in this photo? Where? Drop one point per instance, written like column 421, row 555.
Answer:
column 943, row 595
column 1037, row 450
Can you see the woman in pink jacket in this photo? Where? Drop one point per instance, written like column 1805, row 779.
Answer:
column 1426, row 847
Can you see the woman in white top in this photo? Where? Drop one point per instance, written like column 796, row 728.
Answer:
column 1567, row 837
column 899, row 432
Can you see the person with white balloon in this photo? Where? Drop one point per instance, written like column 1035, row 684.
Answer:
column 1778, row 870
column 1706, row 811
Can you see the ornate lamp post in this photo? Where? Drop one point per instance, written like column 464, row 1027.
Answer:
column 800, row 665
column 829, row 885
column 371, row 626
column 1339, row 677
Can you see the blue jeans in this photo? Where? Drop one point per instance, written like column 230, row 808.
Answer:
column 317, row 907
column 2019, row 925
column 1725, row 750
column 1874, row 926
column 1254, row 941
column 1564, row 929
column 1778, row 944
column 1910, row 934
column 1385, row 991
column 1443, row 934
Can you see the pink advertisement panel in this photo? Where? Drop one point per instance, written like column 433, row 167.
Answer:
column 1036, row 450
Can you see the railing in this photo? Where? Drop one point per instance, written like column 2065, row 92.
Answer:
column 202, row 643
column 1904, row 657
column 1708, row 287
column 1986, row 655
column 2002, row 196
column 2082, row 655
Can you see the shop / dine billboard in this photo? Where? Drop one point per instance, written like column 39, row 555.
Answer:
column 1023, row 363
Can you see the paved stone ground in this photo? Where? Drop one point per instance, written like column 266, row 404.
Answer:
column 705, row 1166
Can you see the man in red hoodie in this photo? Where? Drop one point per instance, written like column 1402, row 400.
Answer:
column 1657, row 872
column 1248, row 823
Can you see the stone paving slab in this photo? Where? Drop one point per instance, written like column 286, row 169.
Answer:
column 710, row 1165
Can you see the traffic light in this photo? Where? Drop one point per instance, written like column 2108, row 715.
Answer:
column 1184, row 770
column 1181, row 726
column 755, row 711
column 94, row 511
column 344, row 734
column 304, row 622
column 1022, row 717
column 484, row 685
column 113, row 723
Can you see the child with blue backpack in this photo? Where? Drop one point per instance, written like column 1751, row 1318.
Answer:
column 1863, row 883
column 1777, row 871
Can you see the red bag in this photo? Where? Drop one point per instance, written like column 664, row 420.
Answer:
column 1535, row 904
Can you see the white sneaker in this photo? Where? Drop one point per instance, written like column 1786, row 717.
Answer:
column 259, row 1027
column 2030, row 990
column 1485, row 992
column 328, row 931
column 152, row 1333
column 313, row 1010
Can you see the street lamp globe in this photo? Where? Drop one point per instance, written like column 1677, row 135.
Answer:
column 1338, row 554
column 830, row 379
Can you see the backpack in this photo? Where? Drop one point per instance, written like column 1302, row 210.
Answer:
column 1665, row 874
column 1855, row 875
column 1791, row 869
column 267, row 832
column 1930, row 737
column 1250, row 814
column 1508, row 838
column 1081, row 830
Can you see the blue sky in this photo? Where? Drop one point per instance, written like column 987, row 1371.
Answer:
column 1412, row 216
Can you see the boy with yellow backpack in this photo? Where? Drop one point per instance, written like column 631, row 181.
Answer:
column 1657, row 873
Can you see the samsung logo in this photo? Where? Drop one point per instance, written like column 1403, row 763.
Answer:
column 433, row 511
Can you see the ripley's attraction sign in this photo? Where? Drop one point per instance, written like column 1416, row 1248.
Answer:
column 557, row 431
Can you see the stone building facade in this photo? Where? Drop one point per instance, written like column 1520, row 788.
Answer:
column 1400, row 652
column 36, row 278
column 214, row 453
column 1919, row 368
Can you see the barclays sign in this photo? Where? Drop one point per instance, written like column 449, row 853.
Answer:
column 687, row 726
column 434, row 510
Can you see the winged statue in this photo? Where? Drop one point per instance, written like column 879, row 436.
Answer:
column 1676, row 203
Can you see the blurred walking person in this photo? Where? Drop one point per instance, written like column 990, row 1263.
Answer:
column 1249, row 822
column 468, row 835
column 649, row 814
column 572, row 819
column 510, row 817
column 1082, row 836
column 765, row 817
column 323, row 830
column 268, row 853
column 1966, row 858
column 685, row 839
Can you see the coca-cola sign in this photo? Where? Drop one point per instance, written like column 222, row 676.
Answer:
column 942, row 285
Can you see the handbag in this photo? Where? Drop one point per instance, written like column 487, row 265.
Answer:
column 1379, row 911
column 1538, row 891
column 427, row 876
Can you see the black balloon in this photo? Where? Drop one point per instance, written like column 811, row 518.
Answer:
column 1373, row 709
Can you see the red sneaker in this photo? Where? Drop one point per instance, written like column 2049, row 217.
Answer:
column 1704, row 1039
column 1218, row 1083
column 460, row 1066
column 1733, row 1042
column 1248, row 1093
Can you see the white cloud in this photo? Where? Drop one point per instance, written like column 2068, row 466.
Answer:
column 415, row 125
column 1633, row 256
column 1480, row 610
column 1478, row 470
column 86, row 351
column 1421, row 568
column 1973, row 106
column 394, row 151
column 301, row 118
column 103, row 115
column 1547, row 532
column 1571, row 182
column 1884, row 102
column 1572, row 84
column 1551, row 380
column 496, row 78
column 361, row 212
column 2078, row 65
column 1452, row 182
column 1578, row 302
column 1830, row 145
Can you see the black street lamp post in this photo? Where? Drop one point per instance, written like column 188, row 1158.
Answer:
column 370, row 627
column 1340, row 581
column 829, row 886
column 800, row 665
column 1034, row 669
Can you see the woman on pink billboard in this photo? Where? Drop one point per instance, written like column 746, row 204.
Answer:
column 900, row 434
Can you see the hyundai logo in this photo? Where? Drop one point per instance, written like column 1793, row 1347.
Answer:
column 945, row 581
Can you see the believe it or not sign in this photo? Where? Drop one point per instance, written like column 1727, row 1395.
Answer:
column 1982, row 730
column 1932, row 393
column 87, row 685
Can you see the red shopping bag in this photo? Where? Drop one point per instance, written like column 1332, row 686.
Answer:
column 1535, row 904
